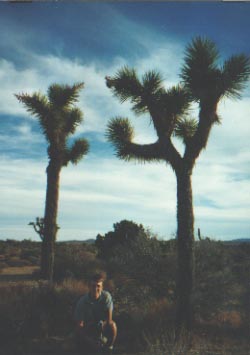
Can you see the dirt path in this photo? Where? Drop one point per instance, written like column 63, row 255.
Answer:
column 14, row 274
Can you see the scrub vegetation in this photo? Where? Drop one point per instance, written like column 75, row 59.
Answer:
column 36, row 316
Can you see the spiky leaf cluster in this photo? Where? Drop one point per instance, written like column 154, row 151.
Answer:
column 125, row 85
column 149, row 95
column 236, row 72
column 200, row 73
column 75, row 153
column 142, row 94
column 64, row 95
column 120, row 133
column 185, row 129
column 58, row 119
column 205, row 80
column 38, row 106
column 119, row 130
column 175, row 101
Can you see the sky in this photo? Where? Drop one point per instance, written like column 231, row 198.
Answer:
column 42, row 43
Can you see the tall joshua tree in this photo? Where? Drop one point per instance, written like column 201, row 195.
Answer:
column 205, row 82
column 58, row 118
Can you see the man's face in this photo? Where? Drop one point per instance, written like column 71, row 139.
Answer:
column 95, row 289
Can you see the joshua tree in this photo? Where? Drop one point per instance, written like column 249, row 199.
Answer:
column 58, row 119
column 38, row 226
column 204, row 82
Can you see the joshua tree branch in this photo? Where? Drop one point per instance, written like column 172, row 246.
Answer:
column 207, row 117
column 172, row 156
column 160, row 150
column 142, row 152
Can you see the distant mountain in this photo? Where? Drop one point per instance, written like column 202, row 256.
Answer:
column 238, row 241
column 92, row 241
column 87, row 241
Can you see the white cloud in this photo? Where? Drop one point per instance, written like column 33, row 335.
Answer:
column 93, row 192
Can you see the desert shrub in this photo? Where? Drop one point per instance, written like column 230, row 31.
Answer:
column 30, row 252
column 13, row 308
column 125, row 233
column 14, row 251
column 218, row 289
column 164, row 343
column 17, row 262
column 2, row 247
column 143, row 270
column 37, row 309
column 140, row 325
column 240, row 255
column 35, row 261
column 132, row 253
column 75, row 261
column 3, row 265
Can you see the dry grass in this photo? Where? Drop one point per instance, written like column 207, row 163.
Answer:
column 20, row 270
column 79, row 287
column 207, row 339
column 17, row 274
column 38, row 317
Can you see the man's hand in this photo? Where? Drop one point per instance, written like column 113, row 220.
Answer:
column 81, row 324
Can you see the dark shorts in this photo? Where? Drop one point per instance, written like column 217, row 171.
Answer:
column 90, row 339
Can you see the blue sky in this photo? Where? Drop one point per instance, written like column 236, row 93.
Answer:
column 47, row 42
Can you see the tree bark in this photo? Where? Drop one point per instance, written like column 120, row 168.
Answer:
column 185, row 242
column 50, row 221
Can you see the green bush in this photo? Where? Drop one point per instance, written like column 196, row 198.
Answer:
column 125, row 233
column 133, row 253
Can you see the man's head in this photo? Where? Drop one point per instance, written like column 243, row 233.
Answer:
column 96, row 284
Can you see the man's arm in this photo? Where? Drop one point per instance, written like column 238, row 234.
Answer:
column 109, row 315
column 109, row 308
column 79, row 315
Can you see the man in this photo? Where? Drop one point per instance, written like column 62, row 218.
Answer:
column 93, row 315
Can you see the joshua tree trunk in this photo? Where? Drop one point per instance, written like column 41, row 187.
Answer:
column 185, row 241
column 50, row 220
